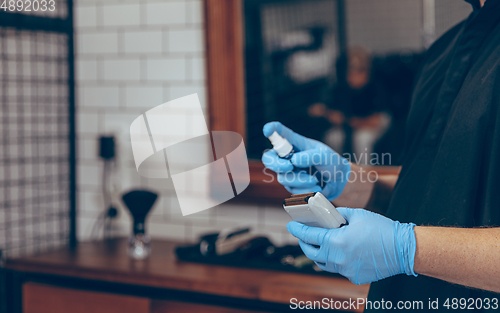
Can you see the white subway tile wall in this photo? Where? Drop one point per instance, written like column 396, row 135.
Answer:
column 96, row 42
column 133, row 55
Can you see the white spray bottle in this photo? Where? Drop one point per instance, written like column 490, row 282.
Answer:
column 285, row 150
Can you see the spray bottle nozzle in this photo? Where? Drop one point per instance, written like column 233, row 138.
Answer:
column 282, row 147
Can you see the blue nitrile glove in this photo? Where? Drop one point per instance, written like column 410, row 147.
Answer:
column 292, row 174
column 371, row 247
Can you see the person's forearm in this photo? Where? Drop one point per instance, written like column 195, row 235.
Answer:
column 362, row 191
column 462, row 256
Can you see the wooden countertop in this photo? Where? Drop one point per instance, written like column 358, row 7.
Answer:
column 108, row 261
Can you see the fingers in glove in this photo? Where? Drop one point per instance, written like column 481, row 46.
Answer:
column 297, row 191
column 273, row 162
column 295, row 139
column 313, row 253
column 308, row 234
column 308, row 158
column 297, row 179
column 322, row 266
column 350, row 215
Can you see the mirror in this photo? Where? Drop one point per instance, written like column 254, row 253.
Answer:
column 339, row 71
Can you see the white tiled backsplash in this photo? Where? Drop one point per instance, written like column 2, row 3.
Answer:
column 132, row 55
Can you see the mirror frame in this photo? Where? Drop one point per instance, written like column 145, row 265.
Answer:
column 224, row 42
column 226, row 107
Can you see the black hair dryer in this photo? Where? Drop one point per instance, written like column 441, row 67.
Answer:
column 139, row 203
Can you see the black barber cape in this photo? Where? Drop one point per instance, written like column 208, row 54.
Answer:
column 451, row 166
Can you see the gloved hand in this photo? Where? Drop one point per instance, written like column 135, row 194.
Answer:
column 292, row 174
column 371, row 247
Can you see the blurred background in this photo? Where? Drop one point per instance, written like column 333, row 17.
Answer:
column 344, row 80
column 73, row 79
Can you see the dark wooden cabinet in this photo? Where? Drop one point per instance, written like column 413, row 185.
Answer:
column 99, row 277
column 159, row 306
column 43, row 298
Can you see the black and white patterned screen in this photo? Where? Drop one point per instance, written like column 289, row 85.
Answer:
column 36, row 130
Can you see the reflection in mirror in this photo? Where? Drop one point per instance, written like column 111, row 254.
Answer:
column 339, row 71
